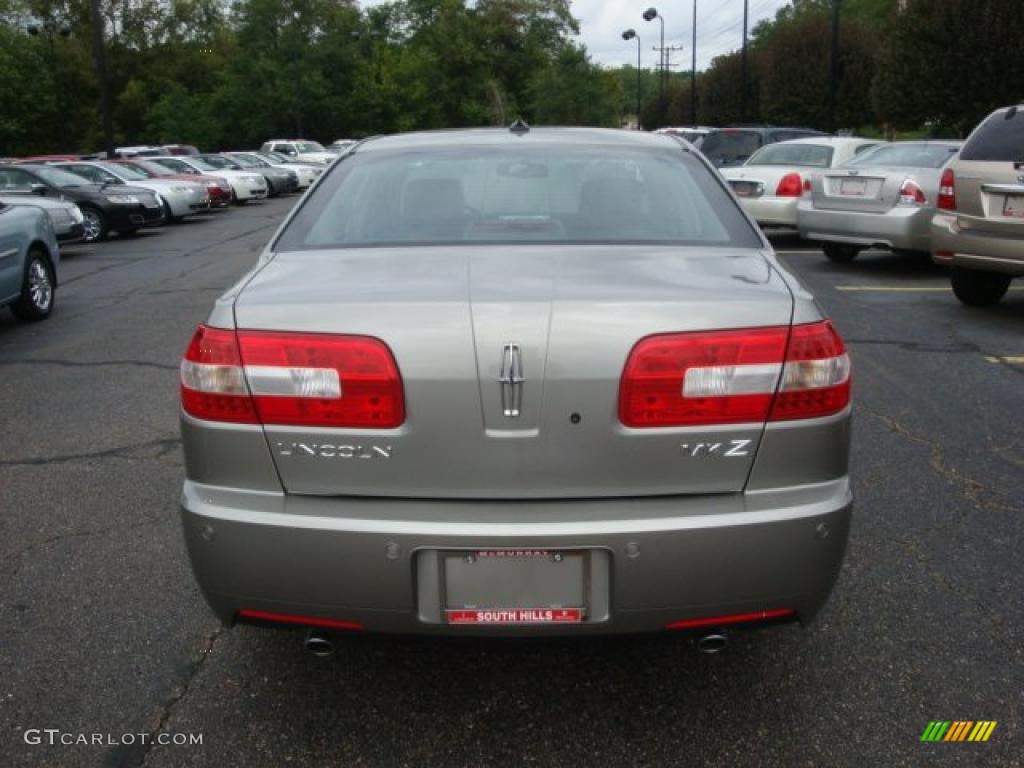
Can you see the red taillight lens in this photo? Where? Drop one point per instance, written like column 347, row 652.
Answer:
column 911, row 194
column 731, row 377
column 212, row 380
column 816, row 378
column 792, row 185
column 321, row 380
column 947, row 191
column 300, row 379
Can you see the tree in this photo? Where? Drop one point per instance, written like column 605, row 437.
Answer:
column 572, row 90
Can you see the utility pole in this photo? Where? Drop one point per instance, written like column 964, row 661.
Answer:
column 101, row 73
column 833, row 84
column 693, row 70
column 743, row 65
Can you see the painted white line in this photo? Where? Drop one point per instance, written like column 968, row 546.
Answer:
column 1006, row 359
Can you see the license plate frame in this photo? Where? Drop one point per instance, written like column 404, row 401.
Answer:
column 853, row 187
column 1013, row 207
column 746, row 189
column 514, row 587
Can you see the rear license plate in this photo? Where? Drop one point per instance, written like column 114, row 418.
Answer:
column 744, row 188
column 853, row 187
column 1014, row 207
column 515, row 586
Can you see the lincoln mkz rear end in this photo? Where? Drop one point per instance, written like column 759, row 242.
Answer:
column 517, row 382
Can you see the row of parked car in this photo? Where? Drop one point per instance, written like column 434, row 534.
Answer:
column 54, row 200
column 960, row 202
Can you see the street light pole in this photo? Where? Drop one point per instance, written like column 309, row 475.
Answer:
column 101, row 73
column 693, row 70
column 833, row 85
column 743, row 65
column 630, row 34
column 650, row 15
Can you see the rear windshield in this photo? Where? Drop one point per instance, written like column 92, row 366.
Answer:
column 906, row 156
column 548, row 193
column 999, row 139
column 809, row 155
column 730, row 146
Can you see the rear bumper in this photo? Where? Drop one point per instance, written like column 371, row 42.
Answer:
column 664, row 559
column 772, row 211
column 955, row 246
column 904, row 228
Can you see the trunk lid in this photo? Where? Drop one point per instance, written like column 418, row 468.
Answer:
column 866, row 190
column 990, row 196
column 574, row 313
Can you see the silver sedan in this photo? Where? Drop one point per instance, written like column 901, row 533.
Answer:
column 886, row 197
column 520, row 381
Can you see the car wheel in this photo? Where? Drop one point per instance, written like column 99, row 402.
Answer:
column 36, row 300
column 840, row 252
column 272, row 191
column 240, row 201
column 169, row 217
column 979, row 289
column 94, row 223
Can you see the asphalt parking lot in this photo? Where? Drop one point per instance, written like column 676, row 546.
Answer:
column 103, row 630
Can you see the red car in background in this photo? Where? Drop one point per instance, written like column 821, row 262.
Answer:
column 217, row 188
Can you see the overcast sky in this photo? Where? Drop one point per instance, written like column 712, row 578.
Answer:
column 719, row 28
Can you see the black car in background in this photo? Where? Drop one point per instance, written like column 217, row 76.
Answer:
column 105, row 207
column 726, row 147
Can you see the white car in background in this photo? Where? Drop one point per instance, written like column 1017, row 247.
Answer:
column 302, row 150
column 178, row 198
column 245, row 185
column 771, row 183
column 307, row 172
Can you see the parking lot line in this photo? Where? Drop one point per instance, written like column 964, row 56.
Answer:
column 905, row 288
column 1005, row 359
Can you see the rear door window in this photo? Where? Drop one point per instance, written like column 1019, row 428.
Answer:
column 999, row 139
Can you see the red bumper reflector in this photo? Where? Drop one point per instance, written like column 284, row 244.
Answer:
column 735, row 618
column 306, row 621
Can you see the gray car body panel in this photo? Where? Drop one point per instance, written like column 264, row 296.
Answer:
column 321, row 531
column 21, row 227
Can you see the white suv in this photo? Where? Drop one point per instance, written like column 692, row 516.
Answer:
column 300, row 150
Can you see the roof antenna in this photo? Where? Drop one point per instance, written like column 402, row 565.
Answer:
column 519, row 127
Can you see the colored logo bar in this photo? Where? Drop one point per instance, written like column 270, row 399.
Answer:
column 958, row 730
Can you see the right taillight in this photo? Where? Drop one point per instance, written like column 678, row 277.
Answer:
column 791, row 185
column 299, row 379
column 729, row 377
column 947, row 191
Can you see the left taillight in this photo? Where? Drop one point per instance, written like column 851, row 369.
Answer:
column 732, row 377
column 300, row 379
column 911, row 194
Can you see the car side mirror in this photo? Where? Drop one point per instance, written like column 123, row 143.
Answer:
column 39, row 189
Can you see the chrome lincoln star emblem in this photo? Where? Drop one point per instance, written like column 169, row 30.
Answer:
column 511, row 379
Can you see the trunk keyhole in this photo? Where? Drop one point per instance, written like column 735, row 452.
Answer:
column 575, row 418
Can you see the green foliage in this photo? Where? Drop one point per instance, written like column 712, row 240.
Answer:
column 950, row 63
column 223, row 74
column 573, row 91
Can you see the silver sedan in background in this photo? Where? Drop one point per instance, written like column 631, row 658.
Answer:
column 885, row 197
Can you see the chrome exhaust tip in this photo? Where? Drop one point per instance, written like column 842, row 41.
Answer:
column 712, row 643
column 318, row 643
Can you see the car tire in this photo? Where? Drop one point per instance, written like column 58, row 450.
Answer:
column 840, row 252
column 94, row 223
column 979, row 289
column 169, row 218
column 272, row 191
column 37, row 288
